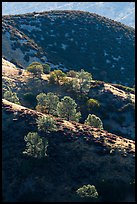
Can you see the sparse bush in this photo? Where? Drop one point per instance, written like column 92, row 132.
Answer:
column 87, row 191
column 46, row 124
column 94, row 121
column 93, row 104
column 67, row 109
column 11, row 96
column 72, row 73
column 36, row 146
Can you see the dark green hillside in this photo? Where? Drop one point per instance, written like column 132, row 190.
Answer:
column 75, row 39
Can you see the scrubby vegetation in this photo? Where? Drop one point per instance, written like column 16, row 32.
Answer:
column 55, row 150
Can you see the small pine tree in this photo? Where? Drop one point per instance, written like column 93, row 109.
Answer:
column 47, row 102
column 46, row 124
column 81, row 83
column 84, row 79
column 36, row 146
column 94, row 121
column 87, row 191
column 11, row 96
column 67, row 109
column 41, row 99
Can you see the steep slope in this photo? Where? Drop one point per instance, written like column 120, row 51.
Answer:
column 75, row 39
column 77, row 155
column 116, row 105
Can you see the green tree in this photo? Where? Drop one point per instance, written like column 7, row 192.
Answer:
column 41, row 99
column 36, row 68
column 11, row 96
column 48, row 101
column 46, row 124
column 41, row 103
column 67, row 109
column 36, row 146
column 46, row 68
column 94, row 121
column 87, row 191
column 84, row 79
column 82, row 82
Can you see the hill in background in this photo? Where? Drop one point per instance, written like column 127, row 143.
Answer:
column 71, row 40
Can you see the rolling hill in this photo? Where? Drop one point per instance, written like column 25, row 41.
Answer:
column 71, row 40
column 56, row 158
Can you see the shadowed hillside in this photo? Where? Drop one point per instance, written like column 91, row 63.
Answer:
column 77, row 154
column 72, row 39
